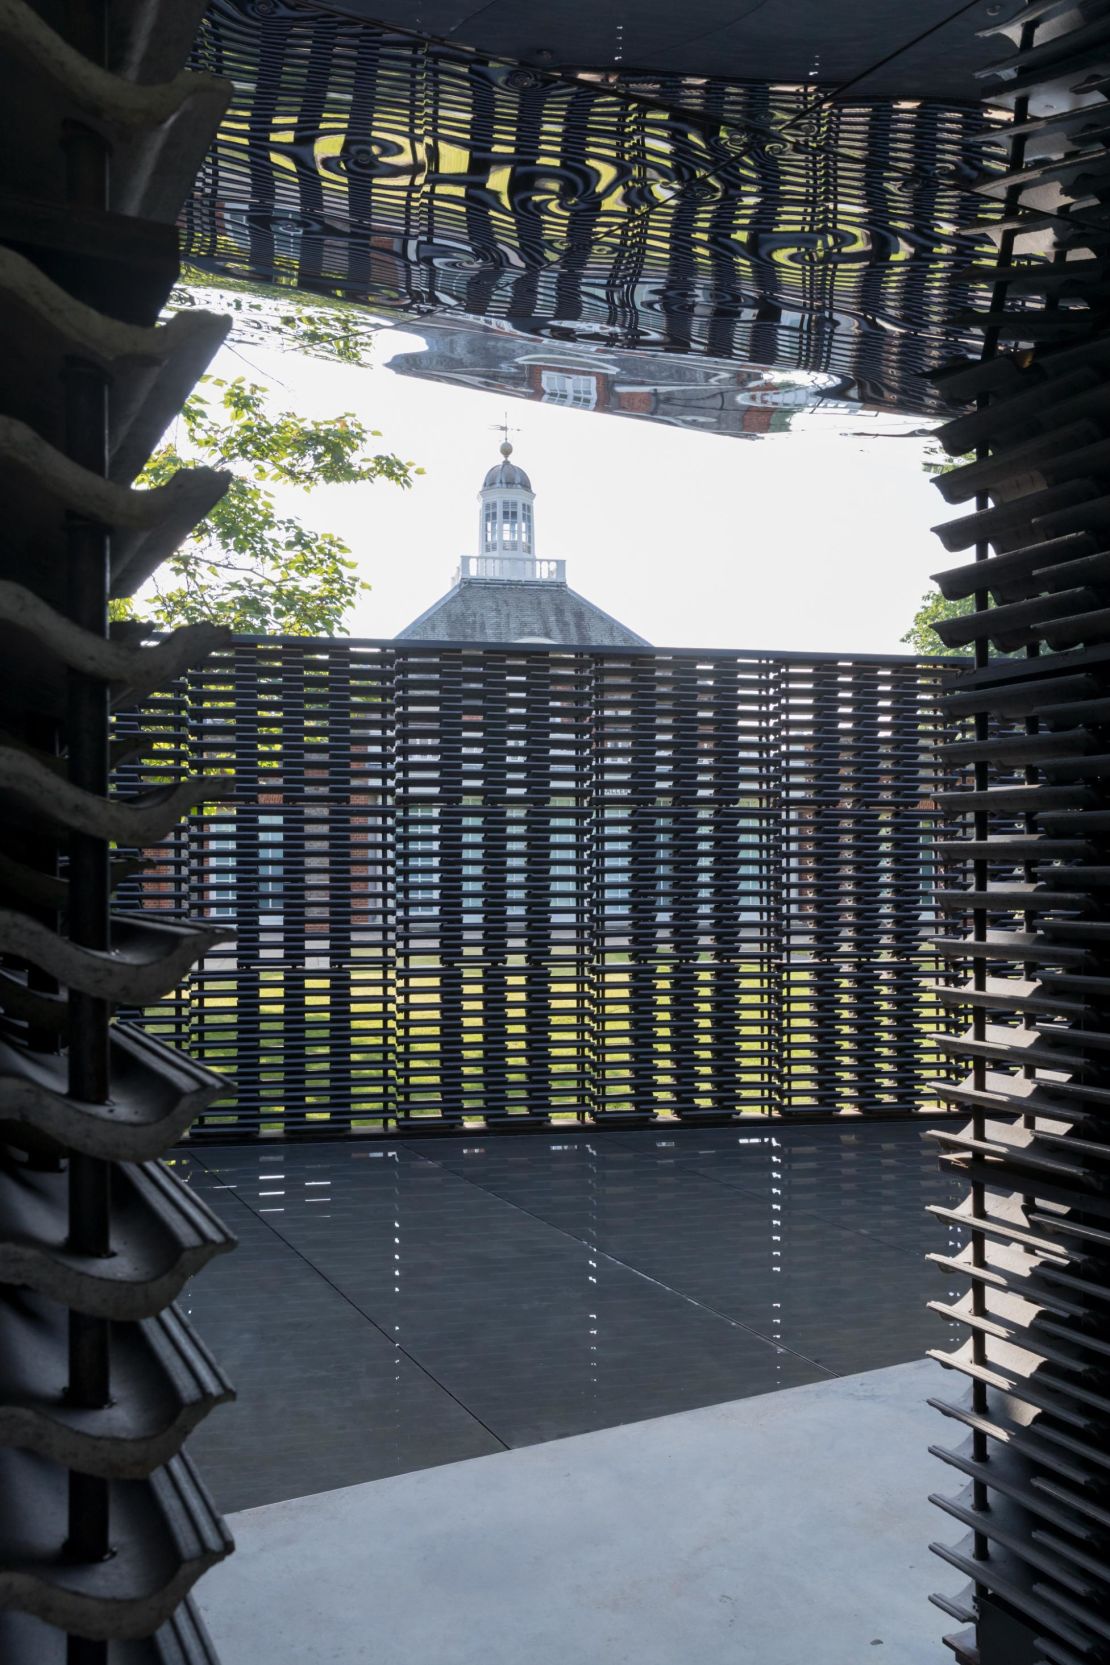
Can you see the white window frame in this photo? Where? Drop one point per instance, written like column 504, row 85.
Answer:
column 568, row 387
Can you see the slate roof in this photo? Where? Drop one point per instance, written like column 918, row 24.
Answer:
column 494, row 610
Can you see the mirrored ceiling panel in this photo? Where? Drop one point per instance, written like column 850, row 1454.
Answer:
column 706, row 395
column 771, row 225
column 886, row 48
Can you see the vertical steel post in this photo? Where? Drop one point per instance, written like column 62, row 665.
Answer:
column 86, row 738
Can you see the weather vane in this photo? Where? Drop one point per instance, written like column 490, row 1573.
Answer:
column 504, row 429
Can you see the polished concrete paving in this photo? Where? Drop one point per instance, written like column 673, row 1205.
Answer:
column 789, row 1529
column 393, row 1307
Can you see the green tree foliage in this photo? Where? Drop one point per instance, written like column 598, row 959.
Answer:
column 921, row 636
column 935, row 459
column 246, row 565
column 290, row 320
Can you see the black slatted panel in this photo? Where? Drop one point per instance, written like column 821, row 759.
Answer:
column 1027, row 1453
column 497, row 884
column 297, row 864
column 859, row 881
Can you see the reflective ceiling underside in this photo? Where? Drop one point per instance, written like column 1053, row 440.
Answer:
column 798, row 225
column 886, row 48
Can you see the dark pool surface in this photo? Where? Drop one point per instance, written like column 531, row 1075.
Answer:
column 391, row 1307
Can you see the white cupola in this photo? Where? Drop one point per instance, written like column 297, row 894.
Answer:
column 507, row 525
column 505, row 593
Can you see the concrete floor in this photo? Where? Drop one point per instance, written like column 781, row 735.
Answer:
column 786, row 1529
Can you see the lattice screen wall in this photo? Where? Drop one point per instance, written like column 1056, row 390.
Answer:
column 489, row 882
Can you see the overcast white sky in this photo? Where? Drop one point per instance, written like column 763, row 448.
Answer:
column 800, row 540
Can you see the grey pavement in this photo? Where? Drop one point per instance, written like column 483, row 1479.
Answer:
column 790, row 1528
